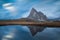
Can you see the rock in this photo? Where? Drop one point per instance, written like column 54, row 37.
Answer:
column 38, row 16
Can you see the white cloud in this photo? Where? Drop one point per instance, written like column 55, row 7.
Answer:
column 8, row 6
column 12, row 9
column 48, row 8
column 26, row 14
column 57, row 3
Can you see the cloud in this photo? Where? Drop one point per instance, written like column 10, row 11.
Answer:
column 9, row 11
column 48, row 7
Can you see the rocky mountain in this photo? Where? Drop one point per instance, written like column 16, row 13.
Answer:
column 38, row 16
column 35, row 16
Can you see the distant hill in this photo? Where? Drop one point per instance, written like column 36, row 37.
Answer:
column 56, row 19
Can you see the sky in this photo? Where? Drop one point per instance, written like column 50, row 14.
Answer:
column 15, row 9
column 21, row 8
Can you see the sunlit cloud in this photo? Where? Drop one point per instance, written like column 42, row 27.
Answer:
column 11, row 8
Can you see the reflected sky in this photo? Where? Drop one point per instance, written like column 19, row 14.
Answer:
column 15, row 9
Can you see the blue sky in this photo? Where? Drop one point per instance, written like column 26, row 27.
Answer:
column 22, row 8
column 14, row 9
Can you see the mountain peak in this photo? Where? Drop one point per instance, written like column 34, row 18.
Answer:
column 34, row 9
column 37, row 16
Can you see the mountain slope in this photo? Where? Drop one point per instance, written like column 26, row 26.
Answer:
column 38, row 16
